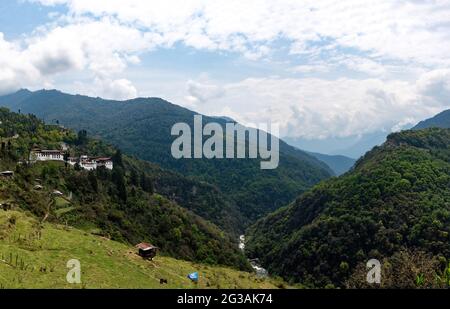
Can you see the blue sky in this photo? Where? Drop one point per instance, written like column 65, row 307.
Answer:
column 18, row 17
column 327, row 69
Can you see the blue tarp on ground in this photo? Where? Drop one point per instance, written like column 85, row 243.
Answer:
column 193, row 276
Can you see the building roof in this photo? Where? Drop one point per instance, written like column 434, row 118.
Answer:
column 7, row 173
column 145, row 246
column 49, row 151
column 101, row 159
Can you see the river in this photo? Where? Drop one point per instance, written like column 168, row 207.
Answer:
column 260, row 271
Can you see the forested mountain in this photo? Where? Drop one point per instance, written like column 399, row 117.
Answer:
column 394, row 206
column 134, row 202
column 441, row 120
column 142, row 128
column 339, row 164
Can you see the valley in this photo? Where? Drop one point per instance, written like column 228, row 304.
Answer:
column 199, row 146
column 260, row 271
column 390, row 206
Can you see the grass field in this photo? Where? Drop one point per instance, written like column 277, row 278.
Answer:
column 36, row 256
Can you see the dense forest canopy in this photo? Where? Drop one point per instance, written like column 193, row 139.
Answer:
column 397, row 198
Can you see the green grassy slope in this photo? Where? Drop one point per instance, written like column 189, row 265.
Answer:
column 28, row 260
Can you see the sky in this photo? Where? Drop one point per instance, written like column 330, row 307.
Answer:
column 320, row 69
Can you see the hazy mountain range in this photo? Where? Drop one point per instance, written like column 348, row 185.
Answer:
column 352, row 146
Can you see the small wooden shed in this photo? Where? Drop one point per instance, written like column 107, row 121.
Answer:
column 147, row 251
column 7, row 174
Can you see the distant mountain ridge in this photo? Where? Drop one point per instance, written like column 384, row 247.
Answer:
column 441, row 120
column 339, row 164
column 141, row 127
column 352, row 146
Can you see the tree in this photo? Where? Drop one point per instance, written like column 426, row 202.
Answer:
column 146, row 184
column 82, row 138
column 66, row 159
column 78, row 167
column 92, row 177
column 117, row 158
column 118, row 179
column 134, row 178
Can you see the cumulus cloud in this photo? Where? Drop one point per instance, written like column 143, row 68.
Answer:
column 102, row 47
column 372, row 38
column 407, row 30
column 119, row 89
column 202, row 92
column 435, row 86
column 15, row 67
column 317, row 108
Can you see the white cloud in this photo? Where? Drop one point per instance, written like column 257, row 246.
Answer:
column 103, row 38
column 363, row 65
column 311, row 68
column 406, row 30
column 435, row 86
column 202, row 92
column 317, row 108
column 102, row 47
column 349, row 62
column 106, row 88
column 120, row 89
column 15, row 67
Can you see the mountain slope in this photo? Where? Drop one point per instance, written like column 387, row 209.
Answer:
column 28, row 260
column 199, row 197
column 441, row 120
column 119, row 204
column 396, row 198
column 141, row 127
column 339, row 164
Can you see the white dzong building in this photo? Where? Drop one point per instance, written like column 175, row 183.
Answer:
column 85, row 162
column 92, row 163
column 46, row 155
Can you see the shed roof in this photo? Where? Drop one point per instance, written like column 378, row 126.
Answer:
column 145, row 246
